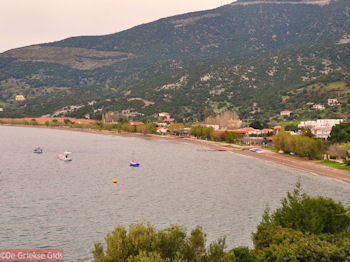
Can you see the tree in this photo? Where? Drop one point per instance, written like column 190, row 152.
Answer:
column 300, row 145
column 33, row 122
column 340, row 133
column 315, row 215
column 127, row 127
column 304, row 229
column 256, row 124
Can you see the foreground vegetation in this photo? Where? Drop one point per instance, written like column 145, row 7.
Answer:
column 304, row 228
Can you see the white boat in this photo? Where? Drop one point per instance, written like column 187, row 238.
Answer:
column 65, row 156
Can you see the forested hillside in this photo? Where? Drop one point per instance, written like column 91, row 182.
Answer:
column 244, row 57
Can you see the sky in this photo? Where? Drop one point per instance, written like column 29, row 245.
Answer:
column 27, row 22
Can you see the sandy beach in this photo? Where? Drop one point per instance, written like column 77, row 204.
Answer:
column 287, row 160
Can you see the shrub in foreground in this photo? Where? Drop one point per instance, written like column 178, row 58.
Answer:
column 304, row 228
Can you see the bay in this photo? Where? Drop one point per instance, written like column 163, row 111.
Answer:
column 47, row 203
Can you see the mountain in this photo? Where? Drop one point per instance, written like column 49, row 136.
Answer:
column 246, row 56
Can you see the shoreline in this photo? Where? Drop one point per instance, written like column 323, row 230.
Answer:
column 299, row 163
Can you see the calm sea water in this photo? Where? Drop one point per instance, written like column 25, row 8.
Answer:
column 47, row 203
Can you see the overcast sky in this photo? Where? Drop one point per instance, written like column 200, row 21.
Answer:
column 26, row 22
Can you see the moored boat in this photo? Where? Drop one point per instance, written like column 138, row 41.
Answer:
column 65, row 156
column 134, row 164
column 37, row 150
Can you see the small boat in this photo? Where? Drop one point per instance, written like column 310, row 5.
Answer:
column 37, row 150
column 65, row 156
column 134, row 164
column 255, row 149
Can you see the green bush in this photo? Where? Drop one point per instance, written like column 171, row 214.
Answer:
column 304, row 228
column 33, row 122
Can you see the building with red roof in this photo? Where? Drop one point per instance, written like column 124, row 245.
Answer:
column 286, row 113
column 136, row 123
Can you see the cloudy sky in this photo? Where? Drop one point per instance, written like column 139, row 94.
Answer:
column 26, row 22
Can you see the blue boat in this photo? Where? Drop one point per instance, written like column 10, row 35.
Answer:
column 38, row 150
column 134, row 164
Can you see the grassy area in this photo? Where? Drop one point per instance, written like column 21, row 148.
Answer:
column 334, row 164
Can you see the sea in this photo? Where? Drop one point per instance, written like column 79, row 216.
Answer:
column 48, row 203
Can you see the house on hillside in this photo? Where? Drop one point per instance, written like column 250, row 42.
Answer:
column 333, row 102
column 20, row 98
column 286, row 113
column 1, row 109
column 168, row 120
column 318, row 107
column 164, row 115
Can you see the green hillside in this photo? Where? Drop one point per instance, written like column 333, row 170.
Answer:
column 253, row 58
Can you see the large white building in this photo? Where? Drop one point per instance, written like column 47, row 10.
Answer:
column 321, row 128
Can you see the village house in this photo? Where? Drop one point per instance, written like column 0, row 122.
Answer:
column 110, row 117
column 333, row 102
column 164, row 115
column 135, row 123
column 20, row 98
column 1, row 109
column 267, row 131
column 286, row 113
column 310, row 104
column 321, row 128
column 168, row 120
column 277, row 128
column 162, row 130
column 318, row 107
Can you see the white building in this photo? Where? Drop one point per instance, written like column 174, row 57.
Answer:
column 1, row 109
column 164, row 114
column 286, row 113
column 318, row 107
column 321, row 128
column 162, row 130
column 333, row 102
